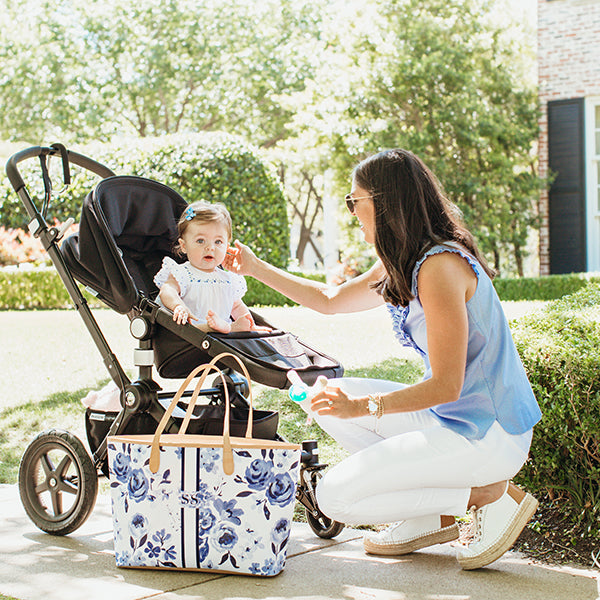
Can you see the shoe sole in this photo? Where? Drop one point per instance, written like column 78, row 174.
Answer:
column 527, row 509
column 440, row 536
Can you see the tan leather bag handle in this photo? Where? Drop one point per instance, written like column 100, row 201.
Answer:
column 205, row 369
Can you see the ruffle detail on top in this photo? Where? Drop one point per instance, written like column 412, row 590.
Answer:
column 438, row 250
column 179, row 272
column 399, row 314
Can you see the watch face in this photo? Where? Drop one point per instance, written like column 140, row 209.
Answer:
column 372, row 407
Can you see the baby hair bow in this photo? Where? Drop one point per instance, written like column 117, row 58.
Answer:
column 189, row 213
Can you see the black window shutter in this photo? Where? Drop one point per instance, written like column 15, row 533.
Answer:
column 567, row 193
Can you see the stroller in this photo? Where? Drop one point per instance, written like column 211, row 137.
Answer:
column 128, row 224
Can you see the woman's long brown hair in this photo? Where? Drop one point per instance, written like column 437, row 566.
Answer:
column 411, row 216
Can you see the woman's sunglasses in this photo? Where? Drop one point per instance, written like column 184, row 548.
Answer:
column 351, row 201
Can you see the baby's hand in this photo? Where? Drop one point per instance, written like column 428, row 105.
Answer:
column 181, row 315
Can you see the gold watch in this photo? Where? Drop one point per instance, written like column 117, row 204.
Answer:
column 375, row 405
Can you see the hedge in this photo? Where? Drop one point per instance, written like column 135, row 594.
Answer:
column 548, row 287
column 43, row 289
column 560, row 348
column 31, row 289
column 34, row 290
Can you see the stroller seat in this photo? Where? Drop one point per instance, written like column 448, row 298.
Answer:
column 128, row 225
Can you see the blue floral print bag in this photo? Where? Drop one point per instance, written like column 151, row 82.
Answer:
column 197, row 502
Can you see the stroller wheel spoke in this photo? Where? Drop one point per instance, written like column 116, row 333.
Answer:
column 69, row 486
column 63, row 467
column 57, row 504
column 322, row 525
column 41, row 487
column 46, row 463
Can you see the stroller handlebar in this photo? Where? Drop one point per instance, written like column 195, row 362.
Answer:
column 81, row 160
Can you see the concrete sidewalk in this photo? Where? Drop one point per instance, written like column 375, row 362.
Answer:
column 36, row 566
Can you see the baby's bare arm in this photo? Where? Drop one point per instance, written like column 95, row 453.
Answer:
column 170, row 297
column 239, row 310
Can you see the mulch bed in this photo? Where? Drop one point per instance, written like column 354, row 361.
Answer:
column 550, row 538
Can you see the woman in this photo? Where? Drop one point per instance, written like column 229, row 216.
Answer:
column 424, row 453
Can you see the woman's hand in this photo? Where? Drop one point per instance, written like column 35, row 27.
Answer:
column 332, row 401
column 240, row 259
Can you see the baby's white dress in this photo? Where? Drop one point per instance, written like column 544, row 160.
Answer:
column 201, row 291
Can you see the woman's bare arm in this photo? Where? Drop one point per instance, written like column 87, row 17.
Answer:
column 446, row 283
column 352, row 296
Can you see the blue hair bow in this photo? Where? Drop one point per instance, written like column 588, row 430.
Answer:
column 189, row 213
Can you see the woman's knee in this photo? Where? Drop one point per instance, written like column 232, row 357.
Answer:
column 335, row 496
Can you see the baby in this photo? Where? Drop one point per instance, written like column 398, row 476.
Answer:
column 198, row 290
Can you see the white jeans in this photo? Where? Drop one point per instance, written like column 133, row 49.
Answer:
column 408, row 465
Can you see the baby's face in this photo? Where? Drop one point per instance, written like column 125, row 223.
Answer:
column 205, row 244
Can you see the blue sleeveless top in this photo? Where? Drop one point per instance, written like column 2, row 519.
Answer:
column 495, row 387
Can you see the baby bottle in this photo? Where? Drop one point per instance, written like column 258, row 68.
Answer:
column 301, row 393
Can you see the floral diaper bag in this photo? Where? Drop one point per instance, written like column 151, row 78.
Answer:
column 190, row 515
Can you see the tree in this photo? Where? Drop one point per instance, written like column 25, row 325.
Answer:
column 298, row 78
column 91, row 68
column 441, row 81
column 41, row 81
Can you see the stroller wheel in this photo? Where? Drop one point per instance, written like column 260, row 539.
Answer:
column 322, row 525
column 58, row 482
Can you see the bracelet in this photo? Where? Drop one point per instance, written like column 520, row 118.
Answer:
column 380, row 406
column 375, row 405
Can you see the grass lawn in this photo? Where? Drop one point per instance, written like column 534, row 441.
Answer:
column 19, row 425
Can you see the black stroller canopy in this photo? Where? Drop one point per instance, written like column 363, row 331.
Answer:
column 128, row 224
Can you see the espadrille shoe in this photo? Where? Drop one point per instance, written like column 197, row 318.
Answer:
column 496, row 527
column 407, row 536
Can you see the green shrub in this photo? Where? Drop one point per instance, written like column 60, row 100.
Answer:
column 209, row 166
column 259, row 294
column 560, row 348
column 35, row 290
column 548, row 287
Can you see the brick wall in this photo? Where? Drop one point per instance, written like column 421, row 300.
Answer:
column 568, row 67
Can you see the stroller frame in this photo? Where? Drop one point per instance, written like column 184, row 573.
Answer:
column 68, row 473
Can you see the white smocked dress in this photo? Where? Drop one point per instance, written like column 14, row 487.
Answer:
column 202, row 291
